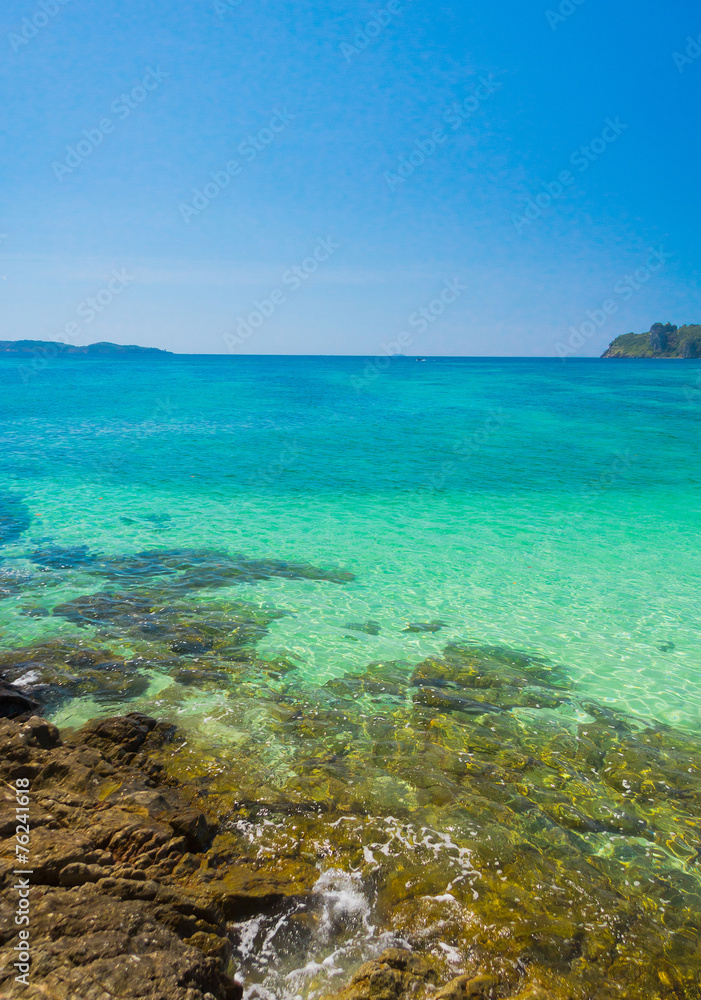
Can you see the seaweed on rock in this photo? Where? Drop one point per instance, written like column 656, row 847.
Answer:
column 53, row 672
column 166, row 624
column 511, row 679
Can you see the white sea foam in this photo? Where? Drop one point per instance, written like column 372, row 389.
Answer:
column 30, row 677
column 301, row 952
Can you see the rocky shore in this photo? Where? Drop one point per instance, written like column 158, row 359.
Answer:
column 114, row 911
column 131, row 889
column 136, row 890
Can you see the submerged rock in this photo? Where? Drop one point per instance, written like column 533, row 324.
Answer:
column 394, row 974
column 368, row 627
column 168, row 625
column 14, row 518
column 57, row 557
column 127, row 609
column 55, row 671
column 452, row 702
column 513, row 679
column 424, row 627
column 11, row 584
column 555, row 852
column 556, row 857
column 196, row 569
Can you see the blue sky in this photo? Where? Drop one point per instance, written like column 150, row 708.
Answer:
column 330, row 168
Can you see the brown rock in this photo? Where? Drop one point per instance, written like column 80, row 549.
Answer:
column 109, row 919
column 465, row 988
column 125, row 732
column 194, row 826
column 37, row 732
column 395, row 974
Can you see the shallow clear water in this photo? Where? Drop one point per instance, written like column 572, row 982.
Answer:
column 545, row 507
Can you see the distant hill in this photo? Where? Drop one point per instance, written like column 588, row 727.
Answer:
column 663, row 340
column 30, row 346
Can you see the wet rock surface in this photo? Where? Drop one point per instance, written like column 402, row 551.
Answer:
column 395, row 973
column 14, row 701
column 117, row 909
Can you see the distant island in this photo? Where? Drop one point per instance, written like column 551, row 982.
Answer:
column 663, row 340
column 32, row 346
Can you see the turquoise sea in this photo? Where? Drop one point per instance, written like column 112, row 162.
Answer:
column 546, row 507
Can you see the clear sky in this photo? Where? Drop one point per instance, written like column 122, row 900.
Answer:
column 480, row 178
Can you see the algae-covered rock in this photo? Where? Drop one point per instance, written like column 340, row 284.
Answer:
column 435, row 626
column 468, row 988
column 54, row 671
column 394, row 974
column 513, row 679
column 368, row 627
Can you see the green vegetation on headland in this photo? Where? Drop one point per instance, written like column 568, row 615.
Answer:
column 663, row 340
column 103, row 347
